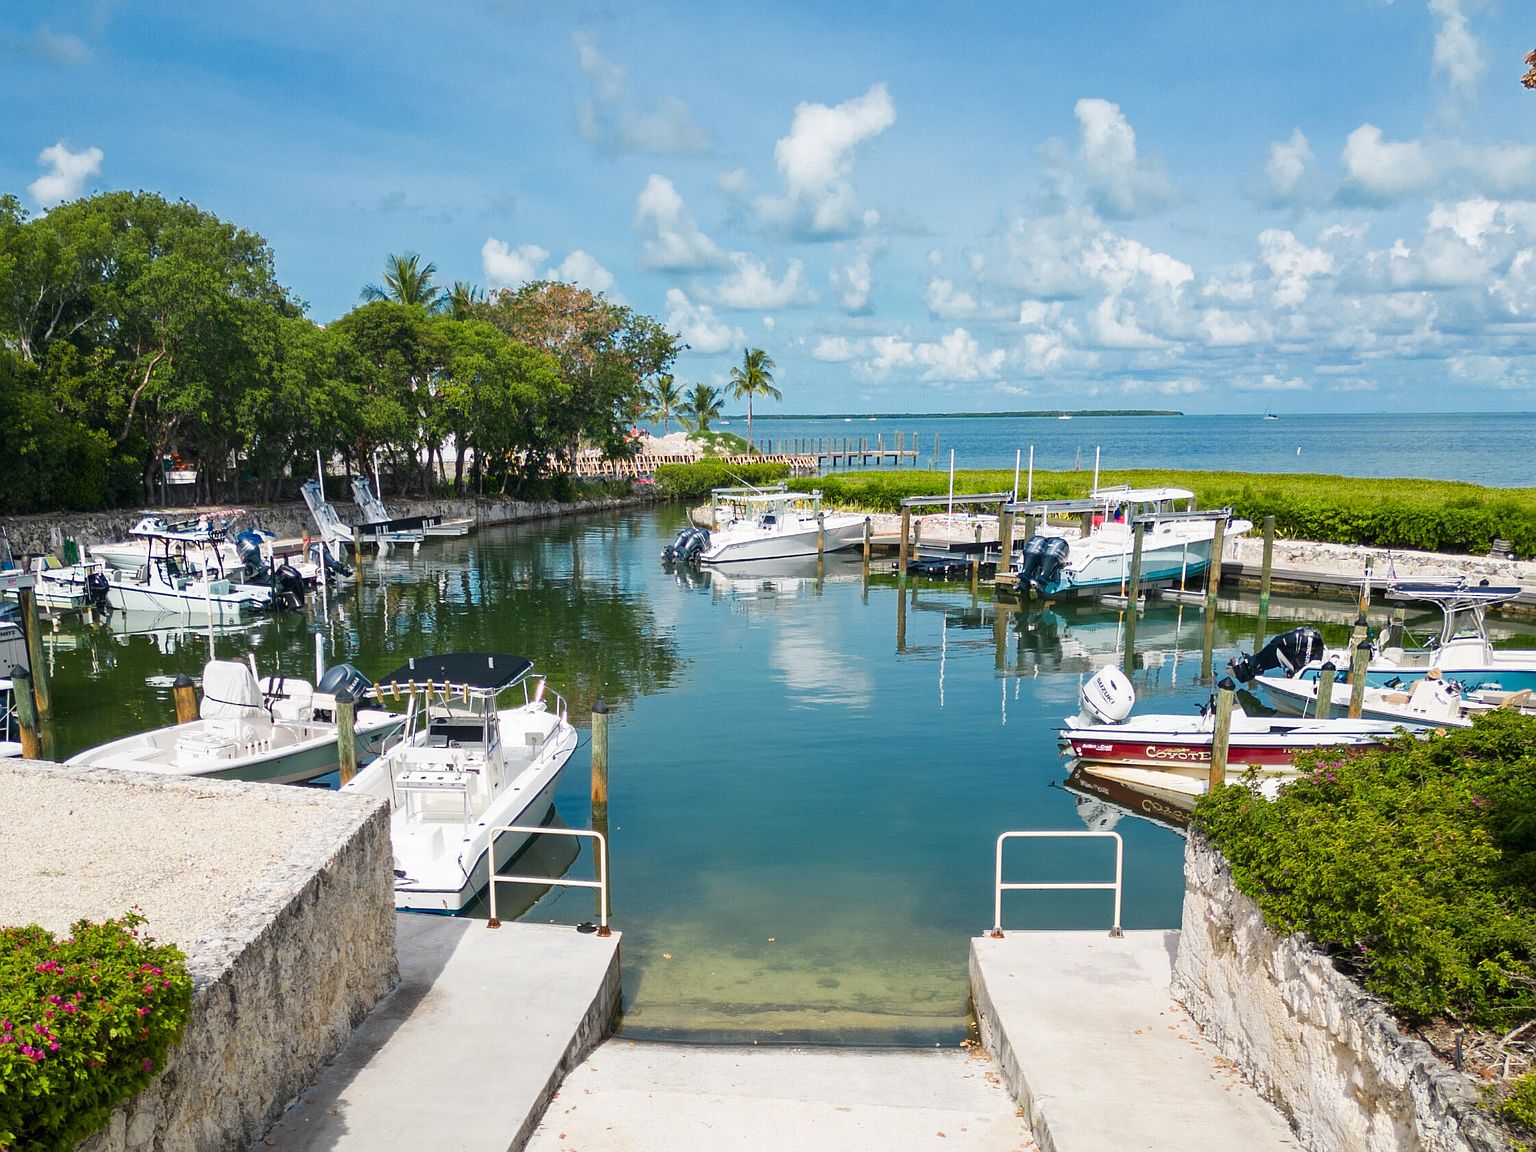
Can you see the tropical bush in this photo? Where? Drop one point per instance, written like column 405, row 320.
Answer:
column 1431, row 515
column 85, row 1022
column 694, row 481
column 1413, row 864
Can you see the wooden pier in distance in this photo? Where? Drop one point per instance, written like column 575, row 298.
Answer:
column 846, row 451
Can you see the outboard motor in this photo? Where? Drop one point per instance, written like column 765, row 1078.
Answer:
column 1286, row 652
column 328, row 564
column 1106, row 698
column 673, row 551
column 337, row 677
column 96, row 588
column 687, row 545
column 1042, row 560
column 287, row 589
column 248, row 545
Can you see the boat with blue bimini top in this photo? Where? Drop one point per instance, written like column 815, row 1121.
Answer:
column 464, row 766
column 1461, row 652
column 1176, row 540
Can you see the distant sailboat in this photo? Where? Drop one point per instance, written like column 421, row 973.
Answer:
column 1268, row 415
column 1065, row 416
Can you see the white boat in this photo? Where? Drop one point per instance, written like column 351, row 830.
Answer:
column 10, row 736
column 249, row 556
column 1462, row 651
column 377, row 516
column 277, row 731
column 1176, row 541
column 773, row 523
column 465, row 765
column 1431, row 702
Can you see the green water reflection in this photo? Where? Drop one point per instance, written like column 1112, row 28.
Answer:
column 808, row 774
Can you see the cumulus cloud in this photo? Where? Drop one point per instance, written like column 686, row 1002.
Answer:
column 698, row 325
column 582, row 269
column 1286, row 167
column 948, row 301
column 1293, row 264
column 1457, row 56
column 836, row 349
column 750, row 285
column 1270, row 382
column 854, row 279
column 1120, row 183
column 672, row 241
column 66, row 176
column 507, row 267
column 1381, row 170
column 610, row 122
column 815, row 161
column 955, row 357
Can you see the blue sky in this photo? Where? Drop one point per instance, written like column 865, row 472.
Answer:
column 1308, row 206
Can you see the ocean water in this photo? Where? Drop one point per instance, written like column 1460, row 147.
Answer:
column 1495, row 449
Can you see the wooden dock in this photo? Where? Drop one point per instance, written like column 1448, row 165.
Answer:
column 846, row 451
column 638, row 467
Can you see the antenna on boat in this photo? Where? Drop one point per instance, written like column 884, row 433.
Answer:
column 1096, row 468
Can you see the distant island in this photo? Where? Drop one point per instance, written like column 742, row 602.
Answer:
column 1043, row 413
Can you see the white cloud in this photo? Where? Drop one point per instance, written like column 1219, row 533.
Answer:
column 750, row 285
column 1457, row 56
column 608, row 121
column 947, row 302
column 1500, row 372
column 1119, row 182
column 506, row 267
column 1500, row 169
column 673, row 240
column 58, row 47
column 1272, row 383
column 1113, row 324
column 698, row 325
column 581, row 269
column 66, row 176
column 1286, row 167
column 815, row 161
column 1382, row 170
column 854, row 279
column 836, row 349
column 952, row 358
column 1225, row 330
column 1293, row 264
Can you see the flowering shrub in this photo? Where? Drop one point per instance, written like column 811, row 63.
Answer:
column 84, row 1023
column 1415, row 864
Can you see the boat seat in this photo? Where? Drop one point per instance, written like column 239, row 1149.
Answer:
column 451, row 732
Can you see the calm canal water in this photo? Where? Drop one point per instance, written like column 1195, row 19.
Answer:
column 808, row 775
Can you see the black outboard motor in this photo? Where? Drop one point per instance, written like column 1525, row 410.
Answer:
column 1286, row 652
column 1042, row 560
column 96, row 588
column 687, row 545
column 337, row 677
column 673, row 551
column 329, row 565
column 248, row 545
column 287, row 589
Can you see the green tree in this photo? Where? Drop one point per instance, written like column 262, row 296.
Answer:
column 665, row 398
column 406, row 281
column 464, row 301
column 753, row 377
column 702, row 406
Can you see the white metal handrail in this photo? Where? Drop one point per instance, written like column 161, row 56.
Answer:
column 601, row 883
column 997, row 905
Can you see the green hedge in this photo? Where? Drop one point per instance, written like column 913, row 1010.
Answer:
column 1415, row 864
column 85, row 1022
column 694, row 481
column 1430, row 515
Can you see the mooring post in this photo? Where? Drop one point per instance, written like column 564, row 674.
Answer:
column 26, row 713
column 869, row 531
column 975, row 575
column 1264, row 573
column 357, row 547
column 901, row 547
column 1359, row 659
column 1323, row 710
column 821, row 536
column 1005, row 542
column 901, row 618
column 600, row 762
column 346, row 734
column 1220, row 737
column 32, row 625
column 1132, row 595
column 1394, row 637
column 184, row 693
column 1212, row 590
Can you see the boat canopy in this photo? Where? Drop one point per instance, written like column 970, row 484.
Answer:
column 487, row 671
column 230, row 691
column 1126, row 495
column 200, row 531
column 1453, row 595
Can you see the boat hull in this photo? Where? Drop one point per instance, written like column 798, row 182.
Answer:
column 840, row 532
column 1190, row 751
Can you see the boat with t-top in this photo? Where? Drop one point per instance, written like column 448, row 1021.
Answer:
column 774, row 523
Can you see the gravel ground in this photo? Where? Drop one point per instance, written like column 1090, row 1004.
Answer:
column 83, row 846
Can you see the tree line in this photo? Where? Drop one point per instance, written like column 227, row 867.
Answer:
column 136, row 330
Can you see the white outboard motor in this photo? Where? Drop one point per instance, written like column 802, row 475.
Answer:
column 1107, row 698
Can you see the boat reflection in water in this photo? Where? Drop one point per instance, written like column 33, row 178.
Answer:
column 1103, row 799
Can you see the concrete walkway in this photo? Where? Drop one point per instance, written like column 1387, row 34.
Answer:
column 469, row 1048
column 1103, row 1060
column 630, row 1096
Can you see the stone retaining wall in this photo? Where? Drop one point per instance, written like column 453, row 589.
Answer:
column 283, row 975
column 1328, row 1055
column 291, row 520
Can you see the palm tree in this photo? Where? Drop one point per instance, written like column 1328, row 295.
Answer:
column 406, row 281
column 753, row 378
column 665, row 398
column 702, row 406
column 462, row 300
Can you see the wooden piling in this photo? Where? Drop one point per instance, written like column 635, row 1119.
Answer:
column 869, row 532
column 1005, row 542
column 184, row 693
column 346, row 735
column 32, row 626
column 357, row 548
column 1133, row 594
column 26, row 713
column 1264, row 574
column 1360, row 658
column 901, row 618
column 600, row 761
column 1212, row 590
column 1324, row 707
column 901, row 547
column 1221, row 736
column 975, row 574
column 821, row 536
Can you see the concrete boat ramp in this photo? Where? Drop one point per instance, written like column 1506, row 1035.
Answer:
column 494, row 1042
